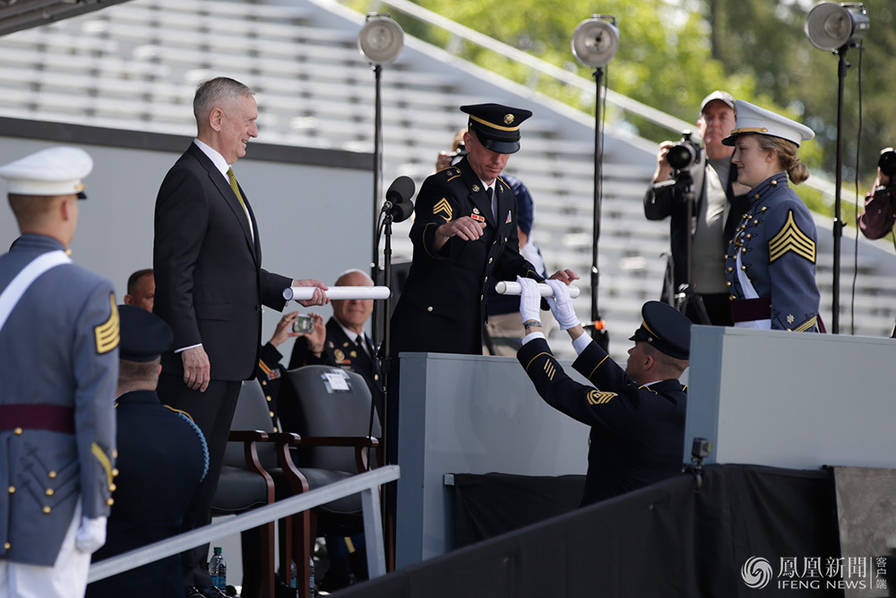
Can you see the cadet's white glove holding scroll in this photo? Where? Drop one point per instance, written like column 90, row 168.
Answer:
column 91, row 534
column 530, row 300
column 561, row 305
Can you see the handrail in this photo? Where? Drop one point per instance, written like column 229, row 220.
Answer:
column 367, row 483
column 658, row 117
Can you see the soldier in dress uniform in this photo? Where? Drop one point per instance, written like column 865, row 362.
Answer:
column 637, row 414
column 465, row 240
column 770, row 262
column 59, row 341
column 163, row 459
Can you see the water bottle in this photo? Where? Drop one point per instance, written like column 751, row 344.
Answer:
column 312, row 590
column 293, row 576
column 217, row 569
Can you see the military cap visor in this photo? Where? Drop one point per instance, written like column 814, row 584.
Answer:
column 497, row 127
column 50, row 172
column 664, row 328
column 144, row 335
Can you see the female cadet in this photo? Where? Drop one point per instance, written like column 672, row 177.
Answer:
column 770, row 262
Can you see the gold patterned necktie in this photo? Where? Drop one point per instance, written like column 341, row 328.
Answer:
column 239, row 197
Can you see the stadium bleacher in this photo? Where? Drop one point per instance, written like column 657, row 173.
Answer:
column 135, row 66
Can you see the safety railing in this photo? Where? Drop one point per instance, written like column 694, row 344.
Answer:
column 366, row 483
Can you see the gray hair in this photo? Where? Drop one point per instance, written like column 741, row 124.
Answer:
column 214, row 91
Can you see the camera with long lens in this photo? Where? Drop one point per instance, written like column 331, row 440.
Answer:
column 684, row 154
column 887, row 161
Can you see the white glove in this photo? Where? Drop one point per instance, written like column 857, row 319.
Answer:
column 561, row 305
column 91, row 534
column 530, row 300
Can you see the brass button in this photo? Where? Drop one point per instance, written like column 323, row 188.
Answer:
column 275, row 429
column 481, row 297
column 51, row 475
column 46, row 510
column 490, row 260
column 730, row 268
column 12, row 489
column 114, row 472
column 756, row 196
column 271, row 413
column 268, row 398
column 376, row 377
column 18, row 431
column 113, row 487
column 429, row 308
column 732, row 297
column 726, row 256
column 49, row 492
column 774, row 182
column 764, row 208
column 110, row 502
column 264, row 383
column 755, row 222
column 728, row 283
column 115, row 453
column 7, row 545
column 743, row 250
column 749, row 235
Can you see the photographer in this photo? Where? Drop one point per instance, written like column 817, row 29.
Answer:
column 880, row 203
column 718, row 207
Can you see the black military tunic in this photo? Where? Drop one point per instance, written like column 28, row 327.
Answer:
column 442, row 306
column 637, row 431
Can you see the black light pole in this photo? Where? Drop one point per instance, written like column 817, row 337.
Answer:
column 380, row 40
column 835, row 27
column 594, row 43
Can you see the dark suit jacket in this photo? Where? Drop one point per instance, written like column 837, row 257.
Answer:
column 209, row 282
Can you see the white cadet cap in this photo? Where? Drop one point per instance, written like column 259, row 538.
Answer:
column 721, row 96
column 53, row 171
column 759, row 121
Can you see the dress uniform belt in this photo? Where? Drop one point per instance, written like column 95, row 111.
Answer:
column 54, row 418
column 747, row 310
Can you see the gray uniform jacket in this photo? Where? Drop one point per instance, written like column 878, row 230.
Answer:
column 770, row 262
column 57, row 422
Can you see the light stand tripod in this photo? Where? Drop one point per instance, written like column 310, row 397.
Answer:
column 686, row 298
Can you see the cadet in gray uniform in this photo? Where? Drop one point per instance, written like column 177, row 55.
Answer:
column 770, row 262
column 59, row 339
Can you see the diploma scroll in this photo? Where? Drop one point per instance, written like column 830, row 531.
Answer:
column 305, row 293
column 509, row 287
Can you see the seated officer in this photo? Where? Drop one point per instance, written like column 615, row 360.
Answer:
column 162, row 459
column 637, row 414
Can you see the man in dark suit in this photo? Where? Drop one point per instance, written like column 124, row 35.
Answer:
column 636, row 414
column 465, row 240
column 209, row 282
column 159, row 448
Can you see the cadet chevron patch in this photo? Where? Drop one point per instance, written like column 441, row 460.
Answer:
column 791, row 238
column 444, row 209
column 807, row 324
column 106, row 334
column 596, row 397
column 550, row 369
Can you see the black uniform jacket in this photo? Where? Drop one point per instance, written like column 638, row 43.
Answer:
column 209, row 282
column 162, row 459
column 637, row 432
column 442, row 306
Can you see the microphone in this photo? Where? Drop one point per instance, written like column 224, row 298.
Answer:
column 398, row 202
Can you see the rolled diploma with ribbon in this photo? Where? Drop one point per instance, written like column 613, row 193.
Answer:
column 510, row 287
column 305, row 293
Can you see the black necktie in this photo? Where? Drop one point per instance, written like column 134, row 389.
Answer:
column 492, row 203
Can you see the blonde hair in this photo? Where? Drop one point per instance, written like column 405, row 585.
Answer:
column 786, row 152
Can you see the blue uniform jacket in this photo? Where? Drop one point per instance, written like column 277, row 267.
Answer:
column 60, row 357
column 776, row 245
column 637, row 431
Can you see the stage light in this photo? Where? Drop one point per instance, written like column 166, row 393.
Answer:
column 832, row 25
column 595, row 41
column 381, row 39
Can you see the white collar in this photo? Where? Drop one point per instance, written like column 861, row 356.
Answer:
column 213, row 155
